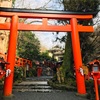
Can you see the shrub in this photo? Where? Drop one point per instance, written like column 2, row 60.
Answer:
column 32, row 72
column 18, row 74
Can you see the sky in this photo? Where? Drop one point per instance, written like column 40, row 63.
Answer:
column 46, row 38
column 35, row 4
column 96, row 20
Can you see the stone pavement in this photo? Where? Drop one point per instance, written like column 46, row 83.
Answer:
column 42, row 78
column 46, row 96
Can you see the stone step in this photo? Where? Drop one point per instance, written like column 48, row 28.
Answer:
column 34, row 86
column 37, row 90
column 32, row 83
column 42, row 78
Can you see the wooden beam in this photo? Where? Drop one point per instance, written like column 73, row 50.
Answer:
column 44, row 27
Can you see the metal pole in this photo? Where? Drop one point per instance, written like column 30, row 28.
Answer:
column 77, row 57
column 11, row 56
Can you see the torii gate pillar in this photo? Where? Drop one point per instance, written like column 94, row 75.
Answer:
column 11, row 55
column 77, row 57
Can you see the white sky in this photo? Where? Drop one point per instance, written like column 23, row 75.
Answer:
column 34, row 4
column 97, row 19
column 46, row 38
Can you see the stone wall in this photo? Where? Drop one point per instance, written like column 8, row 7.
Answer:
column 4, row 35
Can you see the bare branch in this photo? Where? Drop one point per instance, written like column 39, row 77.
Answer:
column 44, row 6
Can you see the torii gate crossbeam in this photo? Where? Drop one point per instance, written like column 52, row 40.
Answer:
column 73, row 27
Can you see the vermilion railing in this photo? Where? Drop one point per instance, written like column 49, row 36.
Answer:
column 19, row 62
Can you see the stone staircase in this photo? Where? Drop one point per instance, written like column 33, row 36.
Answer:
column 34, row 86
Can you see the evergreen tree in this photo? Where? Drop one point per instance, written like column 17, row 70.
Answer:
column 82, row 6
column 28, row 45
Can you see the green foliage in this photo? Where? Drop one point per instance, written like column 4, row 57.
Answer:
column 81, row 5
column 86, row 46
column 67, row 63
column 90, row 89
column 2, row 80
column 69, row 85
column 13, row 1
column 32, row 72
column 28, row 45
column 18, row 74
column 45, row 55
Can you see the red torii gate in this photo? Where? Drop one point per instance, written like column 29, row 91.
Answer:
column 73, row 27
